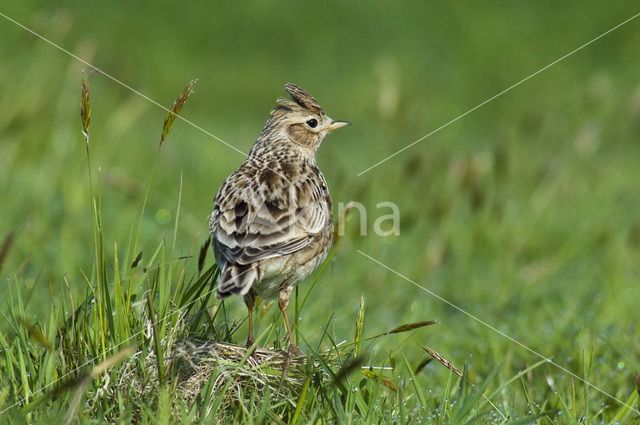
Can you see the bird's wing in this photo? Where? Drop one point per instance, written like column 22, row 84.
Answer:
column 259, row 217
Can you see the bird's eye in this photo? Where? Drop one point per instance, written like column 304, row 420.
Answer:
column 313, row 123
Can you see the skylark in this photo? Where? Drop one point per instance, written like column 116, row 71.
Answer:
column 272, row 223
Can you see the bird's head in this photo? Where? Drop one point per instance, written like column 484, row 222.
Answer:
column 301, row 119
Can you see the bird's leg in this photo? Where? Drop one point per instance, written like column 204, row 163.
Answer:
column 283, row 302
column 250, row 302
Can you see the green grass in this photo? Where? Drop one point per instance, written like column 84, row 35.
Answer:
column 524, row 213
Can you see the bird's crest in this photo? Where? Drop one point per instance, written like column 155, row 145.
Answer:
column 300, row 98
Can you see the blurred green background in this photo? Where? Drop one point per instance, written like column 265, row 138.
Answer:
column 526, row 212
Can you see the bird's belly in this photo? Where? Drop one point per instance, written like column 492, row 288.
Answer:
column 274, row 273
column 268, row 289
column 285, row 271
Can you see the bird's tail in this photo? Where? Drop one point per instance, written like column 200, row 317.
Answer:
column 235, row 279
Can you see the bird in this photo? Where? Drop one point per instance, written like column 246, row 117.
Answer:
column 272, row 222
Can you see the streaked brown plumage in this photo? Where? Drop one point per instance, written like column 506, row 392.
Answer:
column 272, row 223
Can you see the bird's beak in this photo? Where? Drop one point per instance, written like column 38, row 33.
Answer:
column 336, row 124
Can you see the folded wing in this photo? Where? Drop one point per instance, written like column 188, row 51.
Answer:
column 252, row 223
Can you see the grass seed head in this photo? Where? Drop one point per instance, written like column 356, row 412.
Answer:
column 170, row 118
column 85, row 108
column 446, row 363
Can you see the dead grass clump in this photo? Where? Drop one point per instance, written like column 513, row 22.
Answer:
column 222, row 375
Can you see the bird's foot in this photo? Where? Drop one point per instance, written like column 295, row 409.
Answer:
column 293, row 352
column 249, row 345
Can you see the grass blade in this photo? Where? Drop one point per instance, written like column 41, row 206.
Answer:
column 4, row 250
column 359, row 322
column 301, row 399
